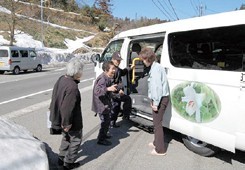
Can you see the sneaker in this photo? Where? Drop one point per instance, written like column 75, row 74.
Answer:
column 104, row 142
column 71, row 165
column 154, row 152
column 61, row 160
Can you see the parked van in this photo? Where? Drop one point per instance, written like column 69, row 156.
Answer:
column 18, row 59
column 204, row 58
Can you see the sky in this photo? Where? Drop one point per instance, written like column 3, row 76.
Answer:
column 179, row 9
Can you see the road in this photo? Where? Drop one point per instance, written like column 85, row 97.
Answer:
column 25, row 99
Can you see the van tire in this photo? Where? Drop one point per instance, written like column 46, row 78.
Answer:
column 199, row 147
column 2, row 72
column 16, row 70
column 39, row 68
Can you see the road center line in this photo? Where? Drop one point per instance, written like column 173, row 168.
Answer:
column 33, row 94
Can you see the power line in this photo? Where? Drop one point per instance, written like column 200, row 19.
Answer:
column 165, row 9
column 167, row 6
column 173, row 9
column 160, row 10
column 194, row 6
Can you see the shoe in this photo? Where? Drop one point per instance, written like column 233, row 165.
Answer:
column 108, row 136
column 125, row 117
column 71, row 165
column 154, row 152
column 114, row 125
column 151, row 145
column 120, row 114
column 104, row 142
column 61, row 160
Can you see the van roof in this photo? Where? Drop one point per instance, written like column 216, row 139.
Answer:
column 208, row 21
column 16, row 47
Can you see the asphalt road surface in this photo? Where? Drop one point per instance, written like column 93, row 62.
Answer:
column 25, row 99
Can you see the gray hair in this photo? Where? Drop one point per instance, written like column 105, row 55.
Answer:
column 74, row 66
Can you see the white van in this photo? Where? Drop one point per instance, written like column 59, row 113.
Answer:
column 204, row 59
column 18, row 59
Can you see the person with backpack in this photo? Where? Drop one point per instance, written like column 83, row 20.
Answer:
column 66, row 114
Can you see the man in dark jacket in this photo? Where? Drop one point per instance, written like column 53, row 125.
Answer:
column 101, row 104
column 116, row 102
column 66, row 114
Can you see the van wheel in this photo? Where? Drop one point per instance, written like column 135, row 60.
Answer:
column 199, row 147
column 16, row 70
column 39, row 68
column 2, row 72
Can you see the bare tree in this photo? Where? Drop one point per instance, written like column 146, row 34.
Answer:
column 11, row 18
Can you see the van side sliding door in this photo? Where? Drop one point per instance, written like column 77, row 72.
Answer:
column 138, row 77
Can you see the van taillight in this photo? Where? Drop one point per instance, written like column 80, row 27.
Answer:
column 10, row 61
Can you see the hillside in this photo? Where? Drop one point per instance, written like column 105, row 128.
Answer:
column 57, row 25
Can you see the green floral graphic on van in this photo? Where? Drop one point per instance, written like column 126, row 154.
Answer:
column 196, row 102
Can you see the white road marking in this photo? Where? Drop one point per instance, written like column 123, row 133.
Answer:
column 33, row 94
column 32, row 108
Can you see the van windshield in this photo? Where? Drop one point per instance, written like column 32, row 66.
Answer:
column 3, row 53
column 110, row 49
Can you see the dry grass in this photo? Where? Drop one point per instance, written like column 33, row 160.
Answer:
column 53, row 36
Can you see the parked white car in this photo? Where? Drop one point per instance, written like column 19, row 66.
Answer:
column 15, row 59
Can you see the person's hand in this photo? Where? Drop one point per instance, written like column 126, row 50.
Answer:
column 112, row 88
column 67, row 128
column 132, row 67
column 154, row 108
column 121, row 92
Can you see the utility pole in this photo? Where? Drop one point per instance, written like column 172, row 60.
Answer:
column 42, row 22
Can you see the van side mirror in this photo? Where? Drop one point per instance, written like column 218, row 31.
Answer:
column 95, row 58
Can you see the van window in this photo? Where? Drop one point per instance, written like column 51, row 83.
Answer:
column 24, row 53
column 111, row 48
column 3, row 53
column 217, row 48
column 14, row 53
column 32, row 54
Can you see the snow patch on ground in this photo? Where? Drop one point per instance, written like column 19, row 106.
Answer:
column 19, row 149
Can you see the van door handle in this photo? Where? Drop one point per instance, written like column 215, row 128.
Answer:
column 242, row 77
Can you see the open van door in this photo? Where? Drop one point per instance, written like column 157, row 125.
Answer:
column 141, row 110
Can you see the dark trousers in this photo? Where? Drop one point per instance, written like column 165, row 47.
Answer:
column 104, row 126
column 157, row 123
column 69, row 146
column 116, row 106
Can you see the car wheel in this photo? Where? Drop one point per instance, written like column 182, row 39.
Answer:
column 199, row 147
column 16, row 70
column 39, row 68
